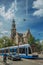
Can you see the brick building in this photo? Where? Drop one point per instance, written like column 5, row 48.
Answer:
column 19, row 37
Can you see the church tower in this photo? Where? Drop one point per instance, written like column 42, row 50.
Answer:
column 13, row 30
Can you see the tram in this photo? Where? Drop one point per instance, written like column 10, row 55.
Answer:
column 24, row 51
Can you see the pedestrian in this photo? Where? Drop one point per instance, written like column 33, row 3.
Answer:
column 5, row 57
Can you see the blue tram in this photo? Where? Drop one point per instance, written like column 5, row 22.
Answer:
column 24, row 51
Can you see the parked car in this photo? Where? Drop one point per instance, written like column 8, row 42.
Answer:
column 41, row 52
column 35, row 54
column 14, row 57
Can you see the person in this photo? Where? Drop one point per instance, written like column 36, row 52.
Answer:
column 5, row 57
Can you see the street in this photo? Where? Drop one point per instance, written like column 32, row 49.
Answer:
column 23, row 62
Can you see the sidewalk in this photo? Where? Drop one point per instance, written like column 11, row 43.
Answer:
column 2, row 63
column 41, row 55
column 1, row 60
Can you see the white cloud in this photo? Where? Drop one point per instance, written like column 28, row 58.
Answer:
column 38, row 12
column 10, row 13
column 41, row 41
column 4, row 32
column 2, row 11
column 38, row 4
column 1, row 23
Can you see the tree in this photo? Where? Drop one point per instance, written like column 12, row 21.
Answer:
column 38, row 45
column 5, row 42
column 31, row 40
column 35, row 43
column 42, row 45
column 1, row 42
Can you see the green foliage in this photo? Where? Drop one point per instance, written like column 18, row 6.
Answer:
column 36, row 43
column 31, row 40
column 5, row 42
column 42, row 45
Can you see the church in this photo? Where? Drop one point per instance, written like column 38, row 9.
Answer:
column 19, row 38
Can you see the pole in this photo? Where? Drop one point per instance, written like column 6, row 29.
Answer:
column 18, row 48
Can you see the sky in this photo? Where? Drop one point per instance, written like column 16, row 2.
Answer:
column 30, row 10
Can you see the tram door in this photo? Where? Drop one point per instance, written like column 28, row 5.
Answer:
column 26, row 51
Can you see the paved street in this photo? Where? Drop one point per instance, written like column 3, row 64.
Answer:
column 23, row 62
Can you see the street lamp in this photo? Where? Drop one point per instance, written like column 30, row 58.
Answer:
column 4, row 42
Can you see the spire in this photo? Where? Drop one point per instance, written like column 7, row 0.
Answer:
column 13, row 21
column 13, row 30
column 13, row 24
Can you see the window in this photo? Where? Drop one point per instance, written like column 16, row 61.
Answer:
column 21, row 50
column 29, row 50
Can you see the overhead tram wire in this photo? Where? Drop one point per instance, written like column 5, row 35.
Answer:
column 26, row 7
column 26, row 10
column 16, row 18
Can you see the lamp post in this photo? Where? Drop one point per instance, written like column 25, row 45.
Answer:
column 18, row 48
column 4, row 42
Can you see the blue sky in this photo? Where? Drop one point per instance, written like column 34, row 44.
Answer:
column 31, row 10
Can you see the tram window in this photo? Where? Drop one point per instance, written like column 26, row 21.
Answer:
column 29, row 50
column 2, row 51
column 17, row 50
column 21, row 50
column 12, row 50
column 6, row 50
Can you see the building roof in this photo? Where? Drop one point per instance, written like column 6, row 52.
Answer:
column 20, row 34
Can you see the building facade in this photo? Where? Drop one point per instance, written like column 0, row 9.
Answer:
column 19, row 38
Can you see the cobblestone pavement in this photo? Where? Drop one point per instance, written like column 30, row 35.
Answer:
column 23, row 61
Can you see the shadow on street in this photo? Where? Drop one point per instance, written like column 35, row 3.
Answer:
column 39, row 59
